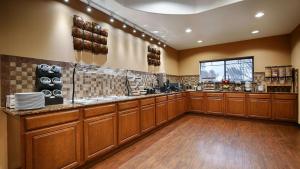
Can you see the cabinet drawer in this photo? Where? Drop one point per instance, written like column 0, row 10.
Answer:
column 196, row 94
column 128, row 105
column 239, row 95
column 145, row 102
column 171, row 97
column 161, row 99
column 98, row 110
column 214, row 94
column 285, row 96
column 46, row 120
column 178, row 95
column 259, row 96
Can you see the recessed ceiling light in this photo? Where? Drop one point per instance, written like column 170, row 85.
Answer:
column 143, row 35
column 259, row 14
column 134, row 31
column 165, row 45
column 255, row 32
column 112, row 20
column 151, row 39
column 159, row 43
column 155, row 32
column 188, row 30
column 66, row 0
column 199, row 41
column 124, row 26
column 89, row 9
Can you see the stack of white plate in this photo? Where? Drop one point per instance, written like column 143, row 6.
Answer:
column 27, row 101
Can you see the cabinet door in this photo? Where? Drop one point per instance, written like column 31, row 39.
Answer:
column 197, row 104
column 259, row 108
column 161, row 113
column 284, row 110
column 172, row 112
column 186, row 104
column 181, row 106
column 147, row 118
column 100, row 135
column 214, row 105
column 129, row 125
column 54, row 147
column 235, row 106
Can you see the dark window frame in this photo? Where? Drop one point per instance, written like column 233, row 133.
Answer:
column 228, row 59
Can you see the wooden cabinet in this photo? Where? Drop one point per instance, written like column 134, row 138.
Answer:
column 147, row 114
column 67, row 139
column 53, row 140
column 215, row 103
column 54, row 147
column 186, row 102
column 284, row 107
column 180, row 106
column 197, row 102
column 100, row 132
column 259, row 106
column 235, row 104
column 129, row 121
column 161, row 112
column 100, row 135
column 172, row 112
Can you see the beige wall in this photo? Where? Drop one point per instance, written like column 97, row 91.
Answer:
column 266, row 51
column 42, row 29
column 295, row 53
column 3, row 141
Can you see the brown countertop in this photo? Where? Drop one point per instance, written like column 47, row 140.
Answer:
column 244, row 92
column 47, row 109
column 68, row 105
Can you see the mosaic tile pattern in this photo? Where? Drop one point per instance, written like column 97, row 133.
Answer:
column 18, row 75
column 190, row 79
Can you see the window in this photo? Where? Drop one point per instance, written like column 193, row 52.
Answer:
column 230, row 69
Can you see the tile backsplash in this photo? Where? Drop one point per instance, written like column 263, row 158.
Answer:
column 18, row 75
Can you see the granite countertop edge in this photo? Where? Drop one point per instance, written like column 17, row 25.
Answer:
column 69, row 106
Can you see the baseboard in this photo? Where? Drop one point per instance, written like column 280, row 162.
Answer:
column 243, row 118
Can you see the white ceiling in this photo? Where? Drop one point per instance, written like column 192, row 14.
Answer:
column 175, row 6
column 220, row 21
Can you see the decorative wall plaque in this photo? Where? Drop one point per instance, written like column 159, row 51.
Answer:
column 153, row 56
column 89, row 36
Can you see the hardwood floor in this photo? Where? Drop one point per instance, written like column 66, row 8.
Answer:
column 208, row 142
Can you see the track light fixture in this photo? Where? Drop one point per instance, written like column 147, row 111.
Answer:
column 88, row 9
column 125, row 23
column 112, row 19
